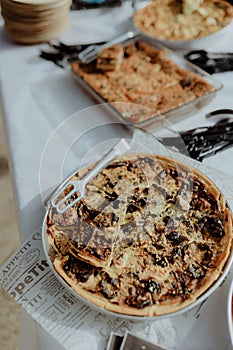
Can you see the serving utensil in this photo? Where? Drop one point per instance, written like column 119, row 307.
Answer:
column 75, row 187
column 83, row 53
column 91, row 52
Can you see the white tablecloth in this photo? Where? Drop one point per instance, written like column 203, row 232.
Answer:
column 37, row 97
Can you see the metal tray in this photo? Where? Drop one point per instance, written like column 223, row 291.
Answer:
column 173, row 115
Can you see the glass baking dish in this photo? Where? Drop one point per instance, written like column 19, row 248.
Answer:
column 139, row 113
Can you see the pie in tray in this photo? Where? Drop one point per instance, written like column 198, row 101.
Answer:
column 150, row 236
column 140, row 74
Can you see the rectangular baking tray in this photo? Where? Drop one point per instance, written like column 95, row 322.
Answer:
column 174, row 115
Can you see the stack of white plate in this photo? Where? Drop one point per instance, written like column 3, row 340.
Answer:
column 35, row 21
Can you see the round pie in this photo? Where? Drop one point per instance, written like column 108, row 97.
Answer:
column 183, row 20
column 150, row 236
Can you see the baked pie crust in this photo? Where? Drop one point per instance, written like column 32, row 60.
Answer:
column 149, row 238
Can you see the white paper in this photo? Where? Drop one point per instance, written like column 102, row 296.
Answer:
column 27, row 277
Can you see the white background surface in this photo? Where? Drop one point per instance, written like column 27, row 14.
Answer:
column 37, row 96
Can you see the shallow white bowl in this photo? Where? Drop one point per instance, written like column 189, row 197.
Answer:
column 198, row 43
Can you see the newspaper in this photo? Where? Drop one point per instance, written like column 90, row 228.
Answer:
column 28, row 278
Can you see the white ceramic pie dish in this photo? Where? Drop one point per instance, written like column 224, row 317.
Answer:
column 202, row 42
column 198, row 43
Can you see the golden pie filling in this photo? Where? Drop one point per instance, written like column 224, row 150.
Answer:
column 183, row 20
column 150, row 236
column 147, row 83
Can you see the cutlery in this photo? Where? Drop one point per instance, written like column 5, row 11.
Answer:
column 88, row 4
column 83, row 53
column 78, row 186
column 211, row 62
column 206, row 141
column 62, row 51
column 91, row 52
column 67, row 49
column 220, row 115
